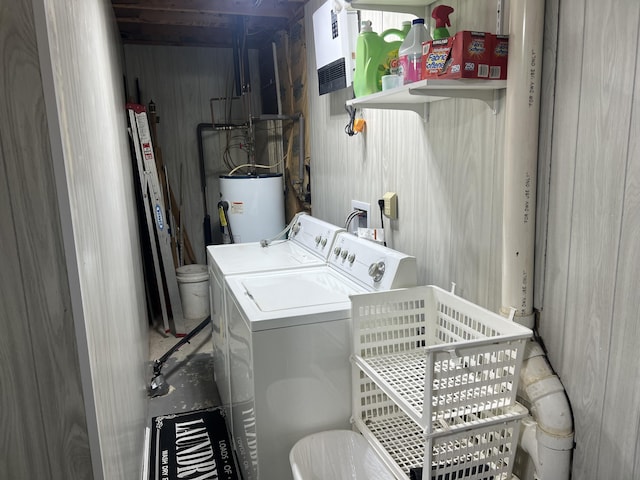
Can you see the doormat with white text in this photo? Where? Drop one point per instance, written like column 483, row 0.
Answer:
column 191, row 446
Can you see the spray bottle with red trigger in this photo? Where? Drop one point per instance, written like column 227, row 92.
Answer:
column 441, row 15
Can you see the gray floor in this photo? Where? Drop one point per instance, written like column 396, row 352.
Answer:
column 189, row 372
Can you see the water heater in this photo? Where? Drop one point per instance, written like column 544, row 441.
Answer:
column 335, row 33
column 255, row 205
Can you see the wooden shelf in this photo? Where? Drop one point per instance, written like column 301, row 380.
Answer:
column 416, row 96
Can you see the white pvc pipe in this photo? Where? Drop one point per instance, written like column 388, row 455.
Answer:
column 548, row 437
column 548, row 440
column 522, row 112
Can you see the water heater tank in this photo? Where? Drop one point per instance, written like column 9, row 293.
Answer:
column 256, row 205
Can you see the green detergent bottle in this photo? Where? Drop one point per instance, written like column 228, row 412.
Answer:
column 375, row 57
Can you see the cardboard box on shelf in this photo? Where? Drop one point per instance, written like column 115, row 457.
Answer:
column 467, row 54
column 499, row 57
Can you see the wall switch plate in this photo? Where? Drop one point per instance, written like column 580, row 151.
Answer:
column 390, row 205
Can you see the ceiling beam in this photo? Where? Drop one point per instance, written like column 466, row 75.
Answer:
column 264, row 8
column 187, row 35
column 196, row 19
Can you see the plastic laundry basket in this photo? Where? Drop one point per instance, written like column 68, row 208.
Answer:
column 336, row 455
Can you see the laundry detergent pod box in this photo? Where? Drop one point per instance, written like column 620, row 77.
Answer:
column 499, row 57
column 465, row 55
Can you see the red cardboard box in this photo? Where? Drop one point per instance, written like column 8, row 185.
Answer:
column 465, row 55
column 500, row 54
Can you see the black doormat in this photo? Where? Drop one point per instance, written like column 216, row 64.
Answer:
column 191, row 446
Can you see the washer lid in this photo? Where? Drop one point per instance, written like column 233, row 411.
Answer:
column 252, row 257
column 288, row 298
column 272, row 294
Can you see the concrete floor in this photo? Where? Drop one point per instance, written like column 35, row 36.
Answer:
column 189, row 372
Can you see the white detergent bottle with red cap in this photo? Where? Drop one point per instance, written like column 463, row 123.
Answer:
column 410, row 52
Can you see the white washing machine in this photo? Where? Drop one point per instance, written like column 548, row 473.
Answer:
column 289, row 347
column 308, row 244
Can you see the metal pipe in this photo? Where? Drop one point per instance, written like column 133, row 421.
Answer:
column 301, row 152
column 301, row 145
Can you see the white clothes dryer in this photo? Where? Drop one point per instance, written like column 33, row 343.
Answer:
column 289, row 346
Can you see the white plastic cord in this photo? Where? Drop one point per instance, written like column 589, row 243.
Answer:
column 265, row 243
column 350, row 218
column 250, row 165
column 256, row 165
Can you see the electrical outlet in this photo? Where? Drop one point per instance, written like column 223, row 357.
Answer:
column 362, row 220
column 390, row 205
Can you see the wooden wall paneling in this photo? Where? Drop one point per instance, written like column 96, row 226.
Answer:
column 83, row 89
column 472, row 191
column 566, row 106
column 403, row 167
column 23, row 425
column 603, row 123
column 437, row 227
column 43, row 389
column 491, row 297
column 477, row 16
column 620, row 435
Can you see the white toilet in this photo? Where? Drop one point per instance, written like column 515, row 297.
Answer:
column 336, row 455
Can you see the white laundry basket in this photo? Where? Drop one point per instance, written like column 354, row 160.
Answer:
column 336, row 455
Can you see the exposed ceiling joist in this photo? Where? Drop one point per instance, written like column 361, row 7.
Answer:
column 203, row 22
column 259, row 8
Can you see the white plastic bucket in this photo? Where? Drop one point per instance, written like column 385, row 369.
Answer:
column 193, row 285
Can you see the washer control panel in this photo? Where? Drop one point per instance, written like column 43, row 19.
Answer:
column 314, row 234
column 371, row 264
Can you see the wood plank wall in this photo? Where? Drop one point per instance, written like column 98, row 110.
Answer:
column 74, row 344
column 44, row 431
column 590, row 307
column 448, row 176
column 80, row 51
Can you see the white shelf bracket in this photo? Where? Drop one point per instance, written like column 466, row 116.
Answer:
column 489, row 97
